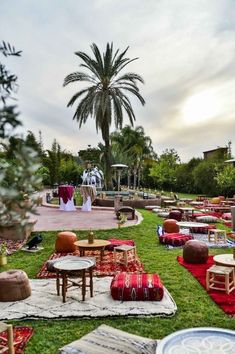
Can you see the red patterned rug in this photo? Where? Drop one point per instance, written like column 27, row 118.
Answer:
column 224, row 301
column 12, row 246
column 105, row 268
column 21, row 336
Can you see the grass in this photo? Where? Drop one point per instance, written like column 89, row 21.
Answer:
column 195, row 308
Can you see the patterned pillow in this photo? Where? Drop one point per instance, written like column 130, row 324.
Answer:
column 202, row 230
column 175, row 239
column 227, row 216
column 136, row 287
column 207, row 219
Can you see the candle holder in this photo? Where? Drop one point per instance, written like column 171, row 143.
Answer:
column 91, row 237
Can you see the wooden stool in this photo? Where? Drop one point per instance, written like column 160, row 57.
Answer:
column 220, row 278
column 125, row 249
column 217, row 235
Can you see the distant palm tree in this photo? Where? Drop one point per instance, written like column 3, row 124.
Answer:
column 105, row 98
column 137, row 146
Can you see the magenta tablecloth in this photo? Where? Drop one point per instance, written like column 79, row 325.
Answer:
column 66, row 193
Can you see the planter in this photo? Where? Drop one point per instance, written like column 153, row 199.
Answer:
column 16, row 232
column 3, row 259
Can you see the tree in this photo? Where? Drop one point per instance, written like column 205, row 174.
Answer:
column 225, row 178
column 165, row 169
column 136, row 147
column 105, row 99
column 18, row 165
column 204, row 177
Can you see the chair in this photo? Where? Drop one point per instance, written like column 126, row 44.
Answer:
column 6, row 345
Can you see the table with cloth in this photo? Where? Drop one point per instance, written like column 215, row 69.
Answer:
column 89, row 195
column 66, row 198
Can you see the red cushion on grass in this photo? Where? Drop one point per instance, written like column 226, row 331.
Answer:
column 136, row 287
column 202, row 230
column 115, row 242
column 175, row 239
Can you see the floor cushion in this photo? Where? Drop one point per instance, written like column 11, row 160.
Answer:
column 195, row 252
column 115, row 242
column 65, row 242
column 14, row 285
column 202, row 230
column 109, row 340
column 226, row 216
column 207, row 219
column 174, row 239
column 136, row 287
column 170, row 226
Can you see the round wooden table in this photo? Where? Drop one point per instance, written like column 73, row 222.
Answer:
column 224, row 260
column 97, row 245
column 74, row 267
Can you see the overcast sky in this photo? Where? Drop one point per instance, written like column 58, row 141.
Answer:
column 186, row 51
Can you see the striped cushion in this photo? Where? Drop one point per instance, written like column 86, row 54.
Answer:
column 109, row 340
column 136, row 287
column 175, row 239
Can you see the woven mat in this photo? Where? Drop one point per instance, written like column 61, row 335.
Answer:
column 44, row 303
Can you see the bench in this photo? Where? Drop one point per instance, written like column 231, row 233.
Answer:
column 128, row 211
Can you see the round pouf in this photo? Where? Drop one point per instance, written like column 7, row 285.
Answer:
column 195, row 251
column 176, row 215
column 65, row 242
column 170, row 226
column 14, row 285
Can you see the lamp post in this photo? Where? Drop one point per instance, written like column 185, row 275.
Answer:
column 119, row 168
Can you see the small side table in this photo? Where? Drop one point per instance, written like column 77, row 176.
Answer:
column 124, row 249
column 75, row 268
column 220, row 278
column 217, row 235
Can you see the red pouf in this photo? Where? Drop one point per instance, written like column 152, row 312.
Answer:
column 170, row 226
column 176, row 215
column 174, row 239
column 195, row 252
column 136, row 287
column 65, row 242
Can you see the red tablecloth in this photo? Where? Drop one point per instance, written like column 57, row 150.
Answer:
column 66, row 193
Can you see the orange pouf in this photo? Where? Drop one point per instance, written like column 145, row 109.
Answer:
column 170, row 226
column 65, row 242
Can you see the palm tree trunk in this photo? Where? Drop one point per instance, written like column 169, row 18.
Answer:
column 107, row 158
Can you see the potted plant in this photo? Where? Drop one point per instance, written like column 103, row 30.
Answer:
column 122, row 220
column 3, row 254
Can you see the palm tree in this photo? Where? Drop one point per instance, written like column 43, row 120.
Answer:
column 137, row 146
column 106, row 97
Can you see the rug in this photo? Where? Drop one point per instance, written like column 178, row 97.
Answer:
column 12, row 246
column 44, row 303
column 105, row 268
column 204, row 238
column 224, row 301
column 21, row 336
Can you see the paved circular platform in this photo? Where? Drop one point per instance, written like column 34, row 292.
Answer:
column 52, row 219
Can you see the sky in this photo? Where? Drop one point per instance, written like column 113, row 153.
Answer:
column 186, row 56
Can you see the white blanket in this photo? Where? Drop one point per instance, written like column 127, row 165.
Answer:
column 44, row 303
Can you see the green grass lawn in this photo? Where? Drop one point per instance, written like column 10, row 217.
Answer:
column 195, row 308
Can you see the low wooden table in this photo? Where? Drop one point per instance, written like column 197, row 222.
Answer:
column 75, row 268
column 97, row 245
column 224, row 259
